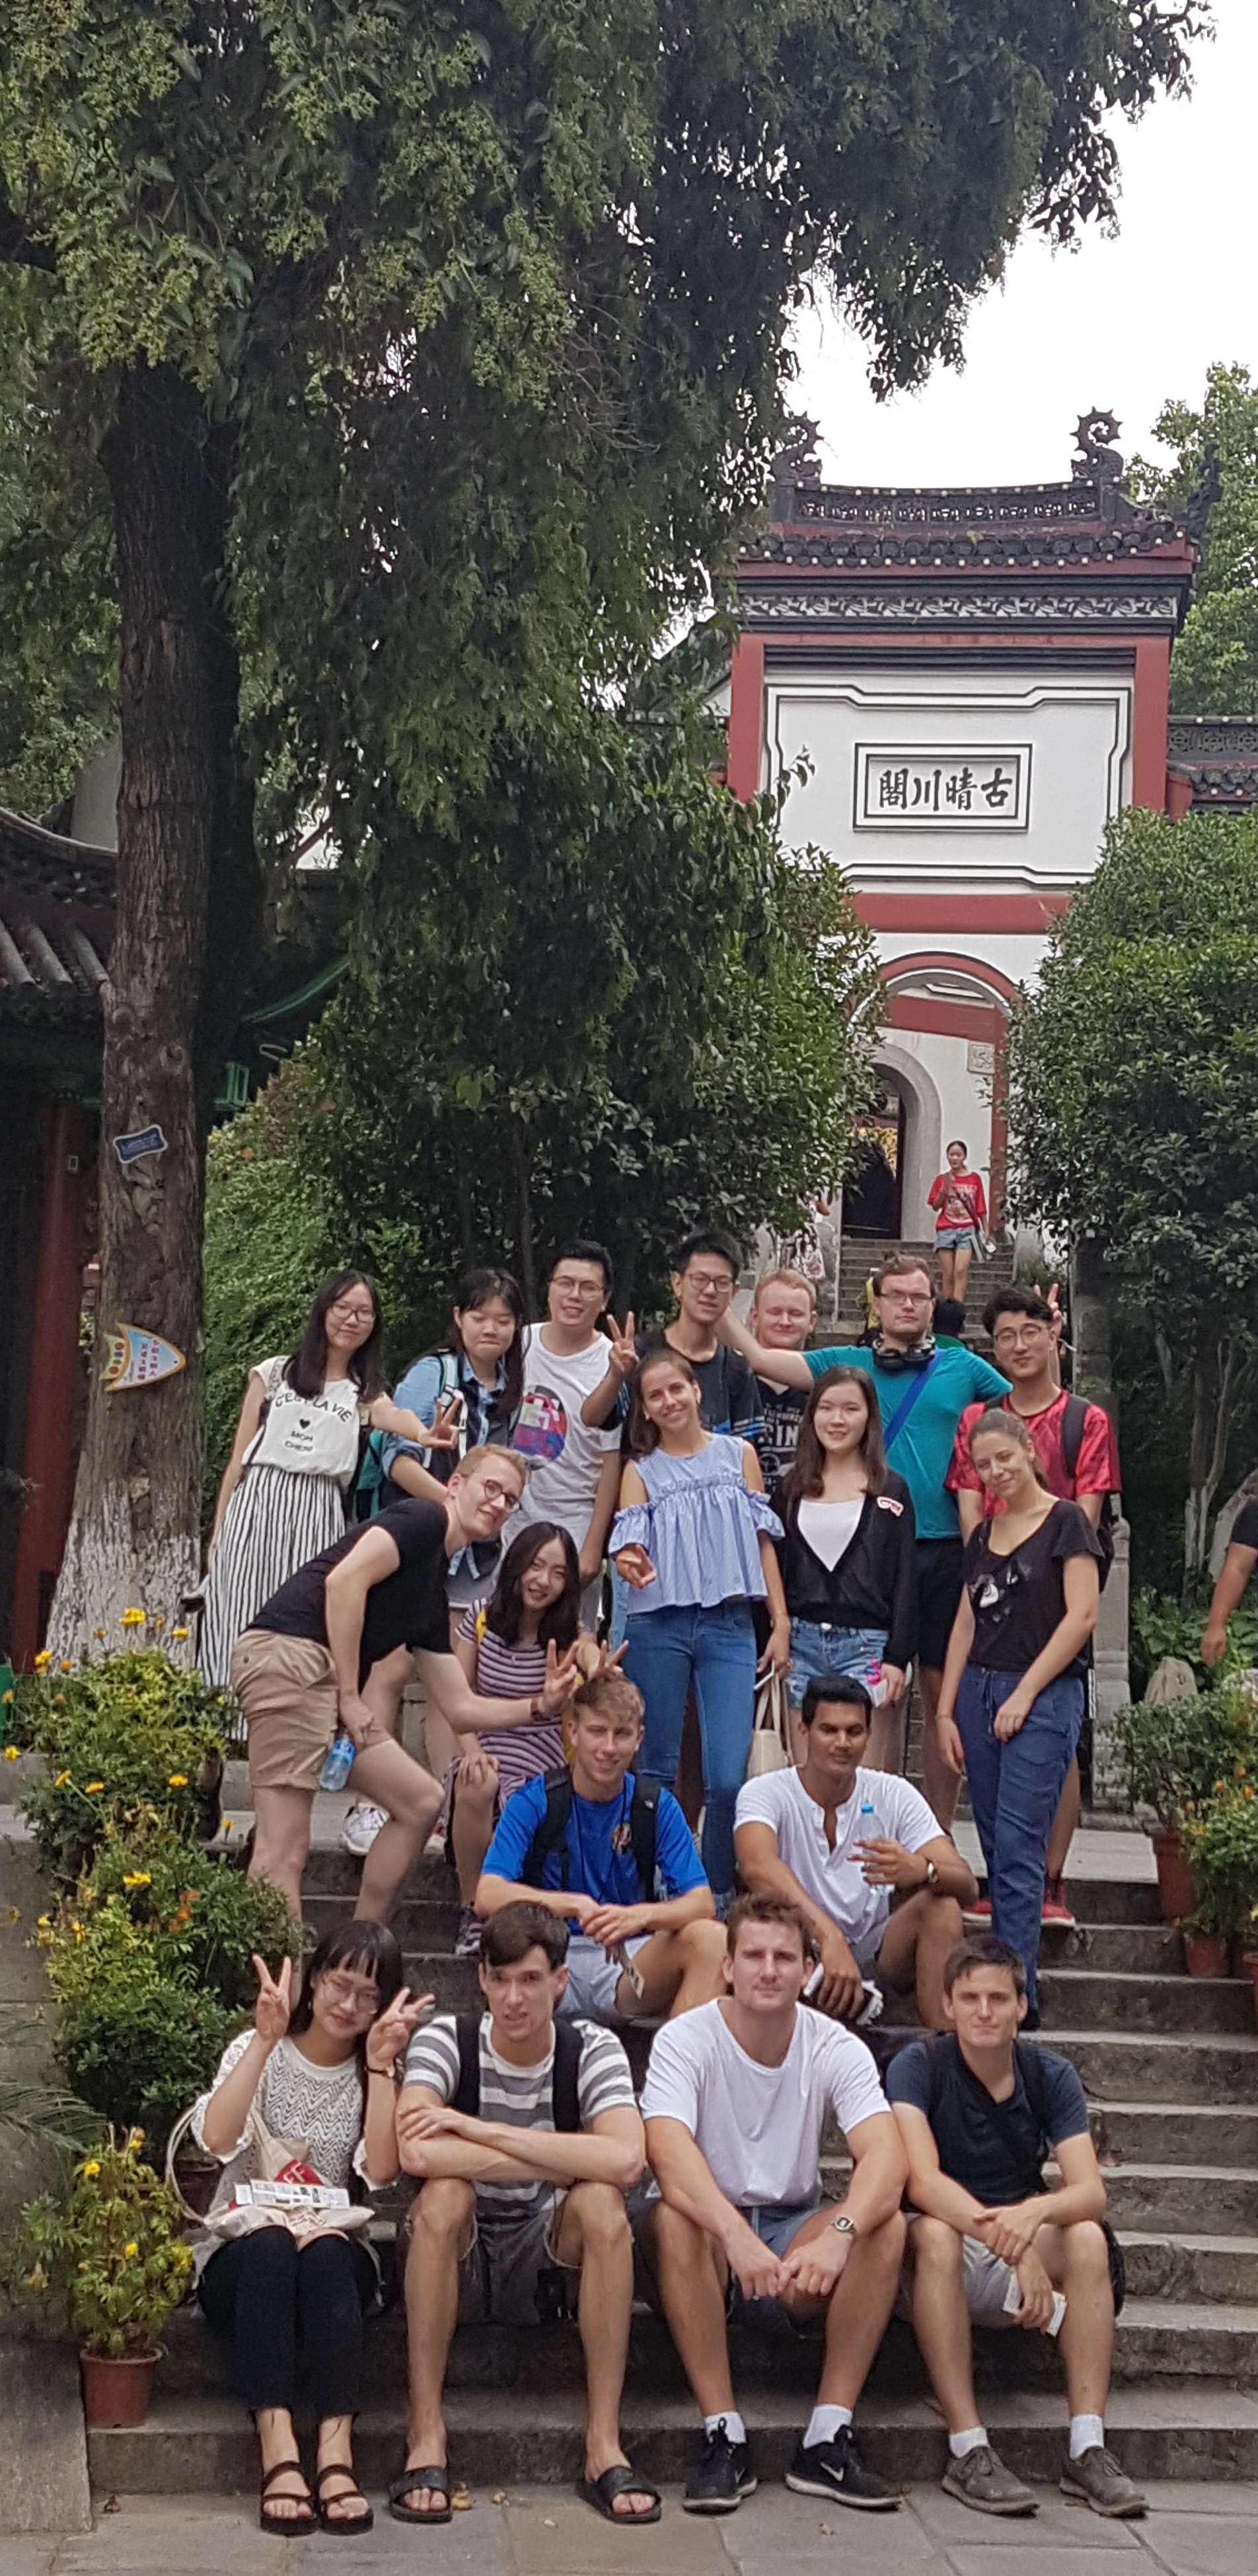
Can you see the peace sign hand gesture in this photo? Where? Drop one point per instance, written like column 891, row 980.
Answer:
column 274, row 2004
column 624, row 1358
column 443, row 1430
column 391, row 2032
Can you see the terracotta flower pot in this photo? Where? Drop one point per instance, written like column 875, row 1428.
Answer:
column 117, row 2392
column 1176, row 1893
column 1205, row 1954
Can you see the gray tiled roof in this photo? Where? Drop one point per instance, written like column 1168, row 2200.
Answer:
column 56, row 922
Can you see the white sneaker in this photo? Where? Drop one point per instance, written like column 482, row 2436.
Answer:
column 361, row 1827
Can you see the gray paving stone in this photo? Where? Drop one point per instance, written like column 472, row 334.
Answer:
column 26, row 2555
column 776, row 2528
column 551, row 2534
column 1179, row 2495
column 1209, row 2545
column 1010, row 2557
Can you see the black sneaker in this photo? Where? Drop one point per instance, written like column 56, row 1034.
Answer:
column 722, row 2475
column 835, row 2469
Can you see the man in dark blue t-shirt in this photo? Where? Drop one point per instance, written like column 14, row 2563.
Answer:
column 980, row 2112
column 634, row 1950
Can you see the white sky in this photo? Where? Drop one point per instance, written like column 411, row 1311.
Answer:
column 1120, row 325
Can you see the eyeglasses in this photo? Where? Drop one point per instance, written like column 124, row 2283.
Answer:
column 496, row 1493
column 716, row 1280
column 1021, row 1337
column 578, row 1287
column 352, row 1314
column 348, row 1991
column 907, row 1296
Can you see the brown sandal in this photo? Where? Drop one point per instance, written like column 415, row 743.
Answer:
column 294, row 2526
column 340, row 2522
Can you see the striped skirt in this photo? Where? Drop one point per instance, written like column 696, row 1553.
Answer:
column 274, row 1523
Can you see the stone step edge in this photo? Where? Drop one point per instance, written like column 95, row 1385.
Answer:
column 1188, row 2244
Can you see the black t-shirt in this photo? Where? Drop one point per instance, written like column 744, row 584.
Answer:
column 1245, row 1530
column 407, row 1608
column 1019, row 1600
column 781, row 1413
column 994, row 2150
column 729, row 1395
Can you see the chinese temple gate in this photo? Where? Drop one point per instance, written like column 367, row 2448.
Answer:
column 977, row 683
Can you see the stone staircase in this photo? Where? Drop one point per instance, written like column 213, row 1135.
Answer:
column 859, row 1254
column 1171, row 2069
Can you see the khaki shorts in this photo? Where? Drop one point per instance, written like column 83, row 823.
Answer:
column 510, row 2274
column 286, row 1687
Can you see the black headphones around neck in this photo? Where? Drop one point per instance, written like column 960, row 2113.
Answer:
column 894, row 1362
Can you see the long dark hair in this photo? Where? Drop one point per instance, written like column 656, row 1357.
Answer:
column 475, row 1288
column 308, row 1367
column 644, row 1435
column 806, row 1477
column 505, row 1614
column 368, row 1947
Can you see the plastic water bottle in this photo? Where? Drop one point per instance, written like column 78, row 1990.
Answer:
column 336, row 1767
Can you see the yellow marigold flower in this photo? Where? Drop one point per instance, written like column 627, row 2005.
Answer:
column 90, row 1787
column 180, row 1633
column 131, row 2248
column 135, row 2138
column 99, row 1632
column 66, row 1664
column 138, row 1878
column 43, row 1659
column 132, row 1619
column 177, row 1780
column 62, row 1781
column 8, row 1699
column 10, row 1753
column 1247, row 1792
column 44, row 1922
column 90, row 2170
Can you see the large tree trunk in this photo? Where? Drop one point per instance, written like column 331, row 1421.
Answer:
column 134, row 1536
column 1214, row 1392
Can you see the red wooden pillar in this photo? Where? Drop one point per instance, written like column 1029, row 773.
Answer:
column 1150, row 718
column 1178, row 795
column 746, row 717
column 48, row 1456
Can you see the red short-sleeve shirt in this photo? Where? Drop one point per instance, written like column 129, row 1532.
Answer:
column 1096, row 1470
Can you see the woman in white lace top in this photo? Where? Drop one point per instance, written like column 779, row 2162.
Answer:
column 291, row 2295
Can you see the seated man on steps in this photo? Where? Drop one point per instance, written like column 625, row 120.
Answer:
column 980, row 2112
column 615, row 1857
column 736, row 2098
column 839, row 1842
column 525, row 2135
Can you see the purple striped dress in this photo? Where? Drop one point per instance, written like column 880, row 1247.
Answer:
column 509, row 1672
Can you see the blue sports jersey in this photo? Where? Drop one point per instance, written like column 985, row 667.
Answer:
column 600, row 1854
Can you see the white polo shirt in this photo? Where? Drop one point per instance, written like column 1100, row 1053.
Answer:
column 882, row 1807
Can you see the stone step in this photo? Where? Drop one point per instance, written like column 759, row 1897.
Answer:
column 1190, row 2269
column 1086, row 1999
column 419, row 1923
column 1171, row 2197
column 1193, row 2133
column 1115, row 1949
column 1191, row 2067
column 1211, row 2338
column 1188, row 2428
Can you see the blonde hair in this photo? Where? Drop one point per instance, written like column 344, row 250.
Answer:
column 784, row 1279
column 492, row 1450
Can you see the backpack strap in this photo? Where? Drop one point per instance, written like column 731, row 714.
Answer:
column 1074, row 1423
column 643, row 1825
column 467, row 2090
column 552, row 1830
column 565, row 2079
column 1030, row 2065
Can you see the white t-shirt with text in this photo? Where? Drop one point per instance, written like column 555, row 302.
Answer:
column 882, row 1807
column 567, row 1455
column 759, row 2127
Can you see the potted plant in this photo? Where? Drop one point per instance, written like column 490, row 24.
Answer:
column 1222, row 1847
column 109, row 2255
column 1176, row 1756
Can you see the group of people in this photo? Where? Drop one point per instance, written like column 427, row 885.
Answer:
column 828, row 1519
column 546, row 2187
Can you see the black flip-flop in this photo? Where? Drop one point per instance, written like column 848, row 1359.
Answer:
column 435, row 2481
column 286, row 2526
column 602, row 2492
column 341, row 2522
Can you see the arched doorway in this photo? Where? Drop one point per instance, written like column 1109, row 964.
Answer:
column 873, row 1198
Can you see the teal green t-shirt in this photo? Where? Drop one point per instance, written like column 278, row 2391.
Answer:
column 922, row 1451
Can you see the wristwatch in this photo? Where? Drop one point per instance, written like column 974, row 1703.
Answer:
column 932, row 1875
column 843, row 2225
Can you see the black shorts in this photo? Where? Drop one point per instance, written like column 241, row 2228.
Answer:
column 938, row 1592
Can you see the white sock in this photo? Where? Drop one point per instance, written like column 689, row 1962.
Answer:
column 1087, row 2433
column 961, row 2444
column 735, row 2429
column 824, row 2422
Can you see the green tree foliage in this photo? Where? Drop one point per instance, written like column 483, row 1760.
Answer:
column 612, row 1004
column 432, row 356
column 1214, row 666
column 1133, row 1076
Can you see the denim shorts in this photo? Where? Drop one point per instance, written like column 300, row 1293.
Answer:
column 950, row 1238
column 817, row 1651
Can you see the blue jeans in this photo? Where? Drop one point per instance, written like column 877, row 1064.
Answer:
column 816, row 1651
column 1014, row 1790
column 715, row 1650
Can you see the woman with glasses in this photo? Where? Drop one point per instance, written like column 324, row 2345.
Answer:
column 286, row 1485
column 286, row 2290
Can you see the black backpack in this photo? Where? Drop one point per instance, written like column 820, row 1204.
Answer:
column 1029, row 2148
column 1073, row 1422
column 565, row 2105
column 552, row 1832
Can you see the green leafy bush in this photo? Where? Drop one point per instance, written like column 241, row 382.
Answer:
column 1222, row 1848
column 1160, row 1626
column 1177, row 1755
column 108, row 2255
column 203, row 1917
column 136, row 2040
column 132, row 1731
